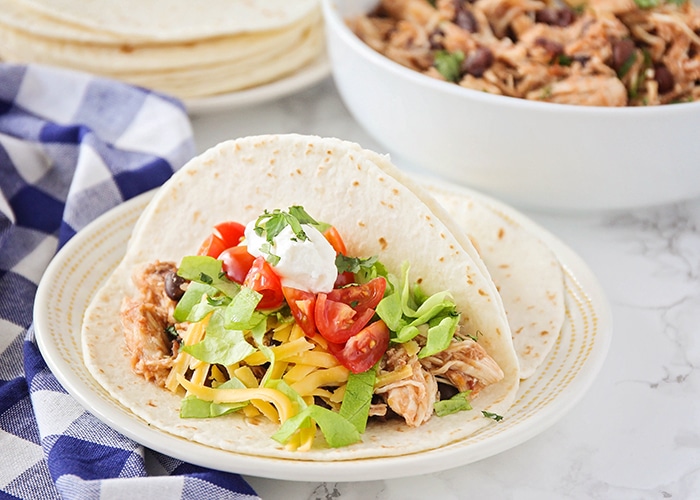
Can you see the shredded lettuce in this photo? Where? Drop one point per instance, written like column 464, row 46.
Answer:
column 207, row 270
column 337, row 431
column 458, row 402
column 191, row 298
column 193, row 407
column 220, row 345
column 439, row 335
column 408, row 312
column 240, row 313
column 358, row 397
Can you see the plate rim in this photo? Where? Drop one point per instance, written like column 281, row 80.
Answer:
column 118, row 417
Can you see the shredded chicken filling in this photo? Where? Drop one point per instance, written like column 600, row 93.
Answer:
column 152, row 338
column 599, row 53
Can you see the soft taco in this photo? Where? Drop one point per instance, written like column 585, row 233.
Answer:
column 401, row 345
column 527, row 273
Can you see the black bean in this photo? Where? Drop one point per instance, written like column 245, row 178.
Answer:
column 555, row 17
column 173, row 285
column 464, row 18
column 478, row 61
column 446, row 391
column 664, row 78
column 622, row 50
column 435, row 39
column 552, row 47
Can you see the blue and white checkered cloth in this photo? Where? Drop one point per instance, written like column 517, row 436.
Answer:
column 73, row 146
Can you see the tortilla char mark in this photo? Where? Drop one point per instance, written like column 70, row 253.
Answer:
column 145, row 319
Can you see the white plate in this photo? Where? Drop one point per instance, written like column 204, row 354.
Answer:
column 301, row 79
column 76, row 273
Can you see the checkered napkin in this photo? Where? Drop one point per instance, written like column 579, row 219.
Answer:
column 71, row 147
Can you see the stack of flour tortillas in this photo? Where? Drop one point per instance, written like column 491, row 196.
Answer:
column 187, row 49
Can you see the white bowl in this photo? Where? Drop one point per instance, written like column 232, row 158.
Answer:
column 532, row 154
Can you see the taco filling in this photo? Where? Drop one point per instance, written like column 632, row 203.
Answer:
column 275, row 320
column 308, row 295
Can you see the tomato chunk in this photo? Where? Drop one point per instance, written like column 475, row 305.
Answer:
column 344, row 279
column 302, row 304
column 225, row 235
column 333, row 237
column 236, row 262
column 263, row 279
column 212, row 246
column 231, row 233
column 336, row 321
column 360, row 297
column 362, row 351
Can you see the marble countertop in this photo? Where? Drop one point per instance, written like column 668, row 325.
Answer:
column 636, row 433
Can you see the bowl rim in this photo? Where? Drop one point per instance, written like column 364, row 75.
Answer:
column 335, row 23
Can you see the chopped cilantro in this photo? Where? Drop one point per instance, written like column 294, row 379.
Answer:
column 449, row 64
column 475, row 337
column 627, row 65
column 647, row 4
column 273, row 223
column 564, row 60
column 353, row 264
column 492, row 416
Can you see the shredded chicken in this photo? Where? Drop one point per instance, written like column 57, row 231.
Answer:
column 145, row 318
column 466, row 365
column 412, row 397
column 598, row 53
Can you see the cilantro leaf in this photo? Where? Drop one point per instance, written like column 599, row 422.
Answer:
column 273, row 223
column 647, row 4
column 353, row 264
column 492, row 416
column 449, row 64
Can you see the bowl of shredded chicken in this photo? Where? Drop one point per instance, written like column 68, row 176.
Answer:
column 579, row 105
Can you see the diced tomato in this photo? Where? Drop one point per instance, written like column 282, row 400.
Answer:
column 337, row 321
column 344, row 279
column 263, row 279
column 231, row 233
column 236, row 262
column 302, row 304
column 224, row 235
column 360, row 297
column 362, row 351
column 212, row 246
column 333, row 237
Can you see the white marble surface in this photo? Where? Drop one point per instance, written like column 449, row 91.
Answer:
column 636, row 433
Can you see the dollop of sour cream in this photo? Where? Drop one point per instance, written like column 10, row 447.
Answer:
column 307, row 265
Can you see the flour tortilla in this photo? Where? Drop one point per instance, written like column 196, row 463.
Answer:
column 124, row 57
column 189, row 71
column 163, row 21
column 526, row 271
column 376, row 209
column 177, row 47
